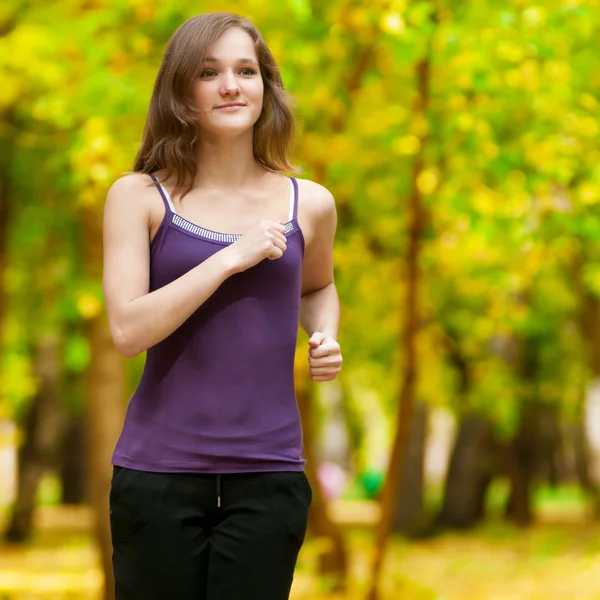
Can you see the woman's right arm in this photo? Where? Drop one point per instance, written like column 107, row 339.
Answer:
column 139, row 318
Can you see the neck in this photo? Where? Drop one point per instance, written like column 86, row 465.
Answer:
column 226, row 162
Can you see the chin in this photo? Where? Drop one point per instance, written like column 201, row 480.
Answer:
column 229, row 129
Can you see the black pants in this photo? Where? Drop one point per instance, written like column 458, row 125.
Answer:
column 206, row 537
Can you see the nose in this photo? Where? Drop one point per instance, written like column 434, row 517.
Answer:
column 230, row 85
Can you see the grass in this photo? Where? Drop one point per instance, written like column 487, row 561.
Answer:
column 495, row 562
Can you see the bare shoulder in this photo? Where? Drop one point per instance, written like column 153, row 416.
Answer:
column 135, row 197
column 131, row 186
column 315, row 197
column 316, row 212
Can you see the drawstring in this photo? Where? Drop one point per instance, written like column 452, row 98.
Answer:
column 218, row 491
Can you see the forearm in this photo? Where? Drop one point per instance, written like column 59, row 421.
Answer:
column 320, row 311
column 149, row 319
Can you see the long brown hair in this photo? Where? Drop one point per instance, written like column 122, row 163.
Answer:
column 171, row 128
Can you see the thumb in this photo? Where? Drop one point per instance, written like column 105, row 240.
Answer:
column 316, row 339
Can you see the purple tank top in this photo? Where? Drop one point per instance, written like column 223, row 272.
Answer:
column 217, row 395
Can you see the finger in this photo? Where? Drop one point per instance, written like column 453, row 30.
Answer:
column 324, row 372
column 324, row 350
column 316, row 339
column 279, row 236
column 275, row 253
column 281, row 244
column 275, row 249
column 325, row 364
column 322, row 378
column 318, row 355
column 318, row 352
column 328, row 364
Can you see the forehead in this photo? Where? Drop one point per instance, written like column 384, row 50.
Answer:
column 234, row 44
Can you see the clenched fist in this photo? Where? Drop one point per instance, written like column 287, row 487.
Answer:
column 324, row 357
column 265, row 240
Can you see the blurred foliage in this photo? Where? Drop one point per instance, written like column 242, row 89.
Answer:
column 511, row 180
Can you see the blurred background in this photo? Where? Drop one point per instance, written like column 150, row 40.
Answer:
column 457, row 457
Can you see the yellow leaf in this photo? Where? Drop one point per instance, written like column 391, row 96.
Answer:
column 588, row 193
column 427, row 181
column 357, row 18
column 464, row 80
column 530, row 75
column 510, row 51
column 419, row 125
column 588, row 127
column 95, row 127
column 100, row 173
column 88, row 305
column 557, row 71
column 490, row 150
column 533, row 16
column 483, row 201
column 100, row 143
column 409, row 144
column 588, row 101
column 513, row 78
column 393, row 23
column 457, row 101
column 465, row 122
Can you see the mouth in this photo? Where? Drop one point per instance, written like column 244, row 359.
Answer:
column 231, row 105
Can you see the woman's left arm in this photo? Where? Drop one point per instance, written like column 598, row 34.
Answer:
column 319, row 305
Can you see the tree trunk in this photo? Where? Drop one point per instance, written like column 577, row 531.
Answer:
column 73, row 462
column 551, row 446
column 333, row 560
column 408, row 512
column 105, row 381
column 518, row 507
column 526, row 455
column 73, row 458
column 43, row 430
column 469, row 474
column 409, row 333
column 536, row 437
column 472, row 465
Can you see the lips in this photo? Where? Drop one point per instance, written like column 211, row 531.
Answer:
column 230, row 105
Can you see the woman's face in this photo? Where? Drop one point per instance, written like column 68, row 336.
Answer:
column 229, row 88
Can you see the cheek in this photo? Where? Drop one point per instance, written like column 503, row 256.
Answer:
column 259, row 95
column 256, row 89
column 200, row 94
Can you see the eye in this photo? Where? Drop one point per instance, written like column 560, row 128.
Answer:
column 248, row 71
column 207, row 73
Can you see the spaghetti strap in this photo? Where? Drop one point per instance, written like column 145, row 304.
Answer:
column 293, row 200
column 165, row 195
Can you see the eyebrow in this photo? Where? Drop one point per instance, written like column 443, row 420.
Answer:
column 211, row 59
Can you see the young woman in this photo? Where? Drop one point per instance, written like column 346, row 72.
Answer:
column 212, row 258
